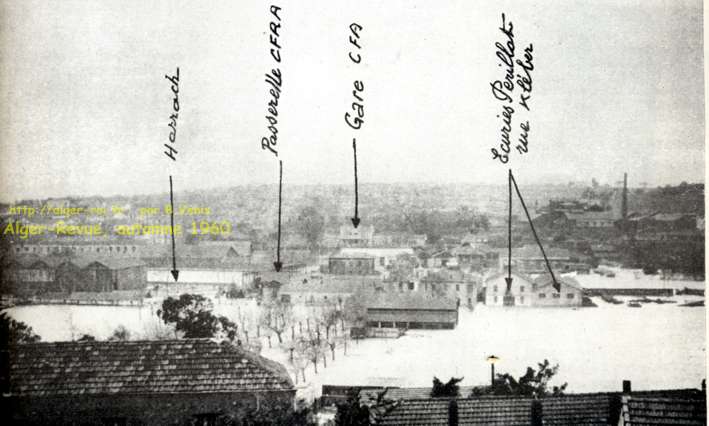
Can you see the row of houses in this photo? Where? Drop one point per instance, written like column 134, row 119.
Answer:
column 33, row 275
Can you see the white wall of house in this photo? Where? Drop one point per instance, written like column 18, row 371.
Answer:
column 521, row 290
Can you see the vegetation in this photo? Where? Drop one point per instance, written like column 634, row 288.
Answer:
column 15, row 332
column 86, row 338
column 121, row 333
column 310, row 224
column 276, row 316
column 191, row 315
column 449, row 388
column 351, row 412
column 532, row 383
column 235, row 293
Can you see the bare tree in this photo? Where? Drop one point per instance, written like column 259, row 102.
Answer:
column 276, row 316
column 311, row 347
column 329, row 316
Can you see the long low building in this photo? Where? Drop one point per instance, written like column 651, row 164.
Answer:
column 411, row 311
column 33, row 275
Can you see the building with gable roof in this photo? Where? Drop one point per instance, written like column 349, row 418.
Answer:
column 188, row 381
column 528, row 292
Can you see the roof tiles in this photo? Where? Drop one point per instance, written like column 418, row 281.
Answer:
column 139, row 367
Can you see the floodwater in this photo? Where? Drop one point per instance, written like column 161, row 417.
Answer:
column 655, row 346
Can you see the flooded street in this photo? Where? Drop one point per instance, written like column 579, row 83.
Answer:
column 595, row 347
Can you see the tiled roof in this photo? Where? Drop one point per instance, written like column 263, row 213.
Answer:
column 545, row 280
column 649, row 411
column 81, row 260
column 412, row 407
column 382, row 300
column 484, row 411
column 418, row 393
column 533, row 252
column 332, row 284
column 580, row 409
column 519, row 275
column 140, row 367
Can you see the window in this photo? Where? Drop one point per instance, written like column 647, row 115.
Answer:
column 534, row 287
column 569, row 295
column 542, row 295
column 521, row 299
column 521, row 289
column 411, row 286
column 457, row 287
column 494, row 288
column 494, row 299
column 556, row 295
column 401, row 286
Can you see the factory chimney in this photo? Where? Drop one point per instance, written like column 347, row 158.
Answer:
column 624, row 205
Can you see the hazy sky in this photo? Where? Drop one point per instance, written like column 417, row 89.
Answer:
column 84, row 106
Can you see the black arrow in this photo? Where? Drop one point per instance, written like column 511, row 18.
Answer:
column 277, row 264
column 174, row 271
column 508, row 280
column 556, row 284
column 355, row 219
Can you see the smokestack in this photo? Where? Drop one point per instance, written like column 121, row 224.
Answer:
column 624, row 205
column 626, row 386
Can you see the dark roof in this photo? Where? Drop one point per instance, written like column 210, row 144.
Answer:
column 519, row 275
column 656, row 411
column 81, row 260
column 412, row 407
column 580, row 409
column 330, row 283
column 140, row 367
column 545, row 280
column 434, row 411
column 383, row 300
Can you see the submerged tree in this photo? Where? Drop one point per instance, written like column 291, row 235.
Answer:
column 192, row 315
column 277, row 317
column 121, row 333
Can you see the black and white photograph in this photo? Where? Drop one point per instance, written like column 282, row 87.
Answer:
column 395, row 212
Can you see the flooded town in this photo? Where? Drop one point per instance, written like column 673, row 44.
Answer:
column 425, row 296
column 347, row 214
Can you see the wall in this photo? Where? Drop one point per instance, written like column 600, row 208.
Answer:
column 178, row 409
column 521, row 290
column 563, row 300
